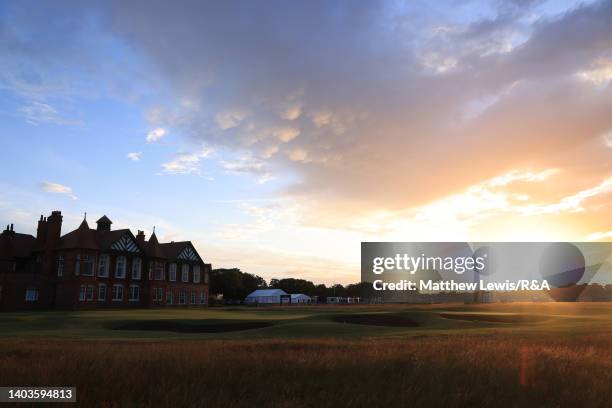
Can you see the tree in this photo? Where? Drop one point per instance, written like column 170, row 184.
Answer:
column 234, row 284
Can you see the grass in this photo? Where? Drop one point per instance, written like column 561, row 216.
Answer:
column 545, row 355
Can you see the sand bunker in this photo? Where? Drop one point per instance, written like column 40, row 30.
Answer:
column 382, row 319
column 495, row 318
column 193, row 326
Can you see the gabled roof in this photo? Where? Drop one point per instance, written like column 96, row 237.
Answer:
column 104, row 220
column 183, row 250
column 153, row 248
column 14, row 245
column 173, row 249
column 81, row 238
column 267, row 292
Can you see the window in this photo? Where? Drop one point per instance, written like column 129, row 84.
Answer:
column 193, row 298
column 159, row 270
column 182, row 297
column 82, row 290
column 103, row 264
column 158, row 294
column 117, row 293
column 60, row 266
column 77, row 265
column 120, row 267
column 196, row 273
column 136, row 268
column 172, row 272
column 151, row 266
column 134, row 293
column 202, row 298
column 185, row 273
column 31, row 295
column 87, row 265
column 101, row 292
column 89, row 293
column 169, row 297
column 205, row 278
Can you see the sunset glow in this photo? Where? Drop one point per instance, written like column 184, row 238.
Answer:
column 279, row 154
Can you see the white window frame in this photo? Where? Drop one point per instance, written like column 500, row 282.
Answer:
column 196, row 274
column 136, row 268
column 82, row 290
column 100, row 292
column 202, row 298
column 115, row 298
column 182, row 297
column 89, row 293
column 88, row 259
column 172, row 272
column 185, row 272
column 123, row 258
column 60, row 266
column 131, row 291
column 169, row 297
column 31, row 294
column 193, row 298
column 103, row 265
column 159, row 270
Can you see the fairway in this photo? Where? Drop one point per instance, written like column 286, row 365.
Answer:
column 524, row 354
column 375, row 321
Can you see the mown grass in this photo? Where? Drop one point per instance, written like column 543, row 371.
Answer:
column 306, row 359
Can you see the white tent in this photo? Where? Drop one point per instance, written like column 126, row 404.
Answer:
column 300, row 298
column 265, row 296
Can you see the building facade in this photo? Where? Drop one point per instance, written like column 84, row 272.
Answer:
column 97, row 268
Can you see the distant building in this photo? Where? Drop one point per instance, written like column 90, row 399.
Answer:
column 300, row 298
column 267, row 296
column 97, row 268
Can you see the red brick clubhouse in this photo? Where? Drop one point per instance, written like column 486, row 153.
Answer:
column 97, row 268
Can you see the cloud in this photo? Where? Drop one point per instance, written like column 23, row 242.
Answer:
column 134, row 156
column 228, row 120
column 248, row 165
column 186, row 163
column 598, row 236
column 57, row 188
column 156, row 134
column 36, row 113
column 292, row 112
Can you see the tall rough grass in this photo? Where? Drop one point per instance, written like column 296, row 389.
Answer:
column 429, row 371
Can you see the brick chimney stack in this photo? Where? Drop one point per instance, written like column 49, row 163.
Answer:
column 41, row 231
column 54, row 229
column 140, row 237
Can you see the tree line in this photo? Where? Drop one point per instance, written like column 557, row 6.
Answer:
column 236, row 285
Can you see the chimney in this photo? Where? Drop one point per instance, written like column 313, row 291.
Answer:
column 54, row 229
column 41, row 231
column 140, row 237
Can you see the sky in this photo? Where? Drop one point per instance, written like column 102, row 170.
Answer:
column 279, row 135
